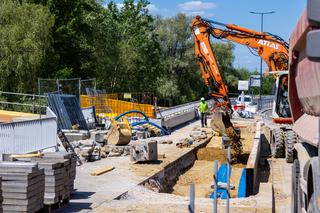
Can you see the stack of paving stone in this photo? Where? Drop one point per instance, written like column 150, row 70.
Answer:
column 1, row 199
column 71, row 168
column 60, row 170
column 55, row 179
column 72, row 174
column 22, row 186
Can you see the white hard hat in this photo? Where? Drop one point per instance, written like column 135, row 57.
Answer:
column 202, row 99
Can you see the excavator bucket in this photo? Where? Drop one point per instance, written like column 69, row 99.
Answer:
column 221, row 123
column 119, row 133
column 217, row 123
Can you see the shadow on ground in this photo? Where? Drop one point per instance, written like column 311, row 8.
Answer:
column 75, row 206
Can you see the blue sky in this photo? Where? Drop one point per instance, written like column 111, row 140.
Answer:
column 281, row 23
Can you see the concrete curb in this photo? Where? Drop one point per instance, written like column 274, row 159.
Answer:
column 253, row 163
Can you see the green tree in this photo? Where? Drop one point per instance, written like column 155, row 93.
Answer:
column 179, row 64
column 79, row 33
column 137, row 65
column 24, row 41
column 167, row 90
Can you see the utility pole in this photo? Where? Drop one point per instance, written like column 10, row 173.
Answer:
column 260, row 91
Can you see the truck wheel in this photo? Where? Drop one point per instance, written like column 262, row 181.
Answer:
column 295, row 194
column 291, row 139
column 277, row 144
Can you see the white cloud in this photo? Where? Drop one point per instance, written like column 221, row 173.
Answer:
column 153, row 8
column 198, row 13
column 197, row 5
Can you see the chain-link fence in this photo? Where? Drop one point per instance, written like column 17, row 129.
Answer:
column 70, row 86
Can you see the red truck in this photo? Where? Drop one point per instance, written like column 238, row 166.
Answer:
column 304, row 99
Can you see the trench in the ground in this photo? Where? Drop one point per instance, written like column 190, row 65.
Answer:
column 197, row 167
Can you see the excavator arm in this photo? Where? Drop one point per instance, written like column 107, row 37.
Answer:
column 217, row 89
column 271, row 48
column 209, row 67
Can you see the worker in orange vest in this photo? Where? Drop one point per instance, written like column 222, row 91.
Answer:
column 203, row 112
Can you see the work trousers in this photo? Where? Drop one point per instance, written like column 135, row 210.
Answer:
column 203, row 117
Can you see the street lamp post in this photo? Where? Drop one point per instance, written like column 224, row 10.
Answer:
column 260, row 91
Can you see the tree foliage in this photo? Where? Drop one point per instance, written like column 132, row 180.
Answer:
column 178, row 61
column 125, row 48
column 137, row 61
column 24, row 41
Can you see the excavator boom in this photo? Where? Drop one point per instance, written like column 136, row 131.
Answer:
column 271, row 48
column 217, row 89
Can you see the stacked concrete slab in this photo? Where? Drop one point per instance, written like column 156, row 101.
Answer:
column 22, row 186
column 1, row 198
column 70, row 168
column 55, row 180
column 60, row 169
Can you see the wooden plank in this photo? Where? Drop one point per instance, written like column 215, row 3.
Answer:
column 102, row 171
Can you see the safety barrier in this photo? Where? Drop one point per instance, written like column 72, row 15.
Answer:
column 108, row 105
column 28, row 136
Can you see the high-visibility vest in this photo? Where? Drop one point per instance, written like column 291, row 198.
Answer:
column 203, row 107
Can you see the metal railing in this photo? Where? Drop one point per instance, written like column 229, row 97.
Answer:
column 266, row 102
column 181, row 108
column 27, row 136
column 31, row 102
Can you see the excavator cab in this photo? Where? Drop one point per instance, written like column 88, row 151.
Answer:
column 281, row 108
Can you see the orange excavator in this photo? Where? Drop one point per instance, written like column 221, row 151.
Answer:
column 271, row 48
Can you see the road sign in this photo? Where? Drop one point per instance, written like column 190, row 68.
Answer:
column 243, row 85
column 127, row 95
column 255, row 81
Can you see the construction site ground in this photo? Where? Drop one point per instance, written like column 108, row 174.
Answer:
column 120, row 190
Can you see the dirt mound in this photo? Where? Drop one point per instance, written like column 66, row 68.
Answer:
column 211, row 154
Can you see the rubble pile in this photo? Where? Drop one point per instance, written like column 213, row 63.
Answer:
column 115, row 151
column 88, row 150
column 197, row 135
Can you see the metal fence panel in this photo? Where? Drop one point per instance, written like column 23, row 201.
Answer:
column 28, row 136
